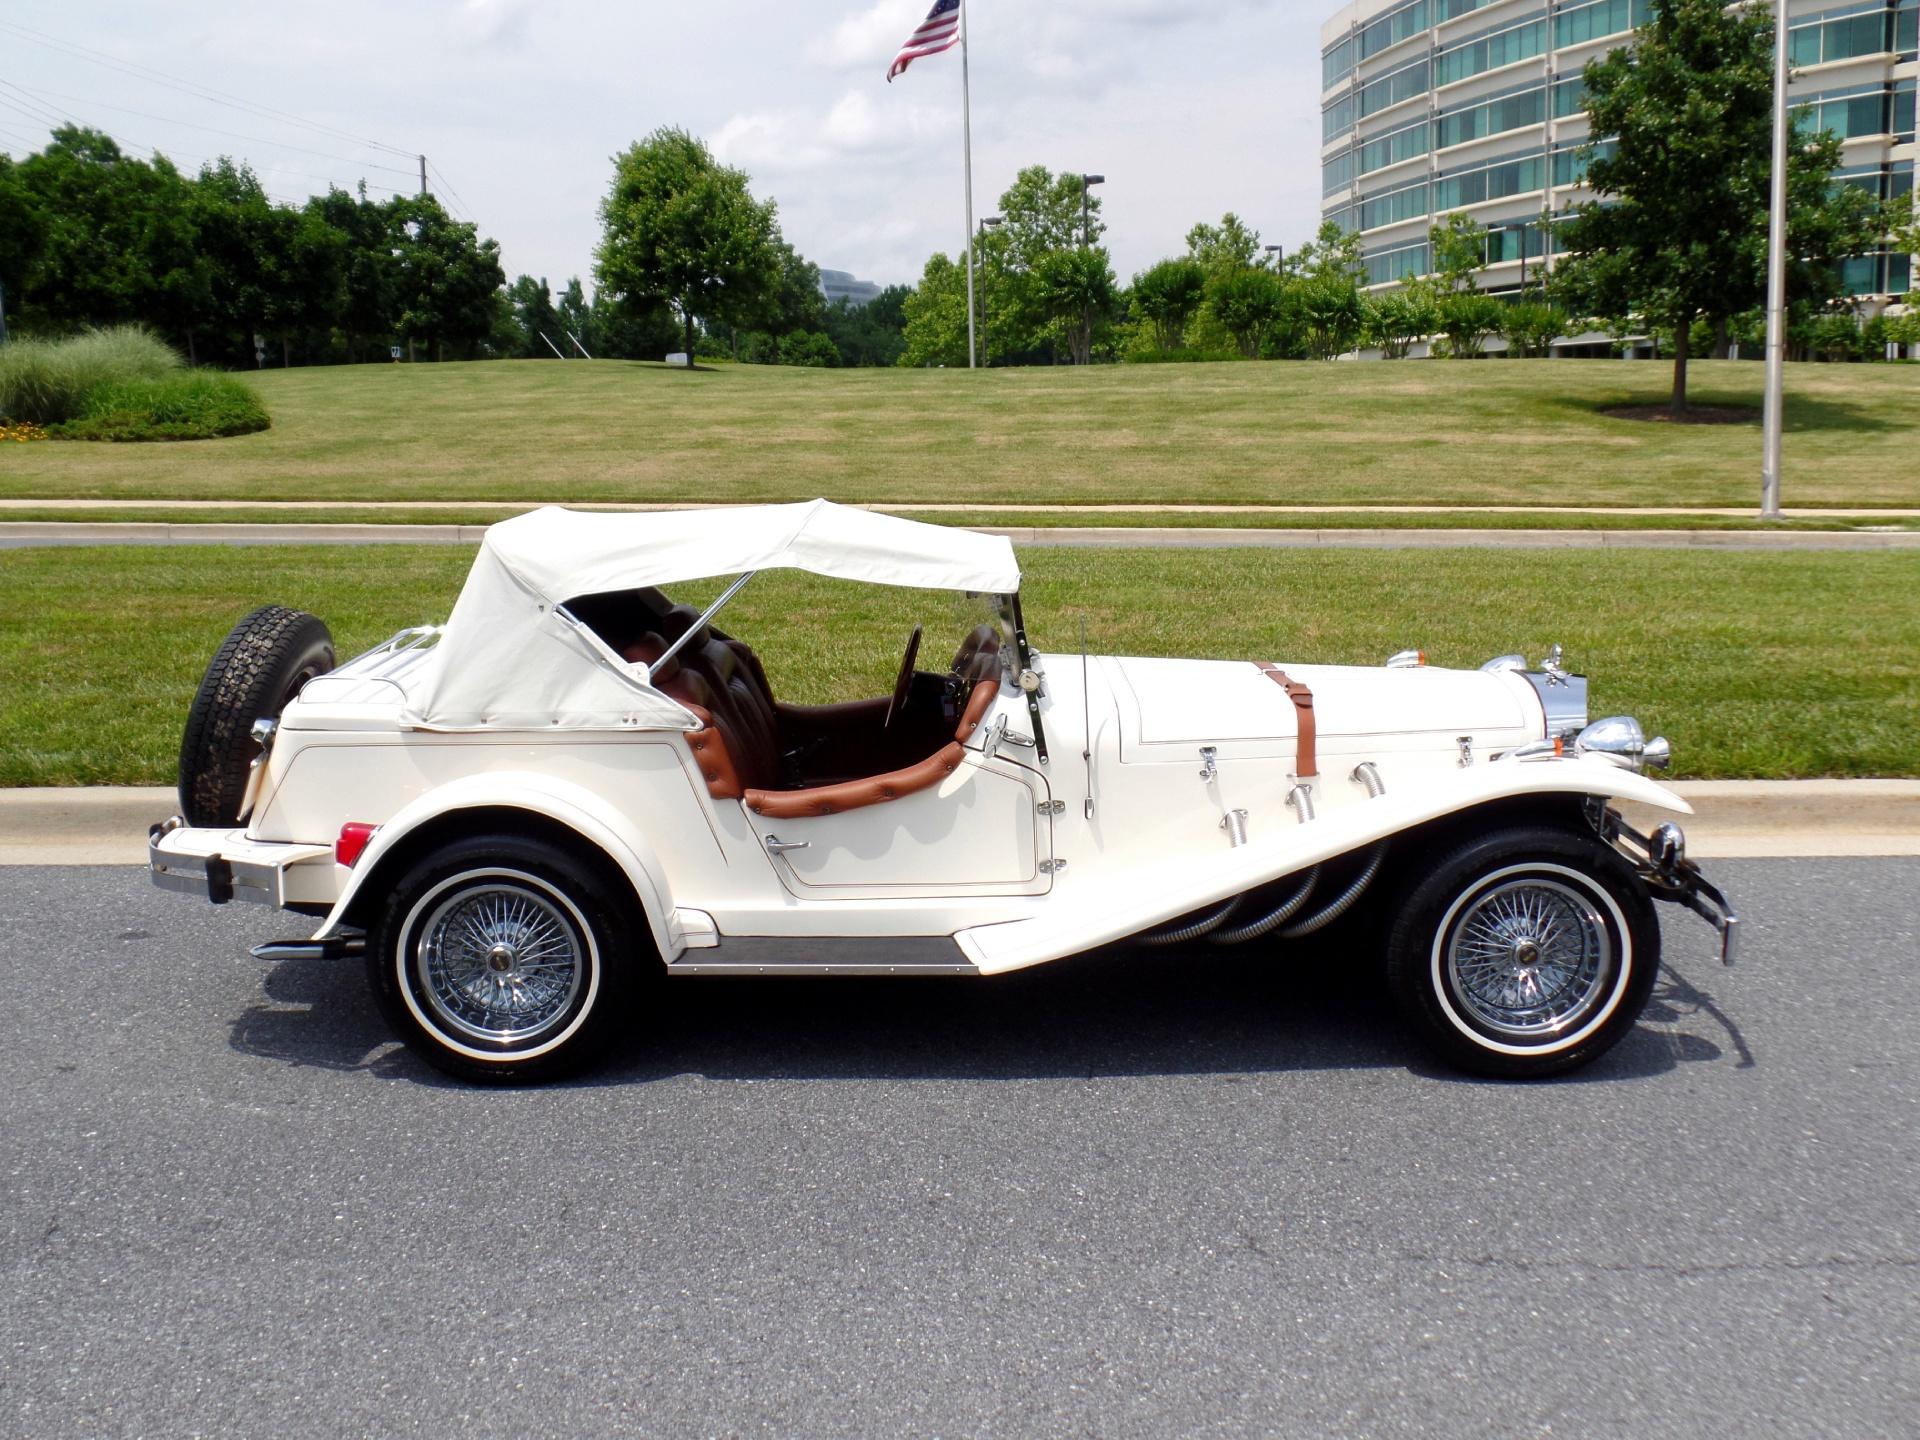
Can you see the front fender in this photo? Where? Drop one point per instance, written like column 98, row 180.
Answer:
column 1098, row 905
column 589, row 815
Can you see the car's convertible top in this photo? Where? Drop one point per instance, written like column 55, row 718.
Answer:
column 510, row 657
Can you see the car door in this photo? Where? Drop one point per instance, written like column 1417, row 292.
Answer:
column 985, row 829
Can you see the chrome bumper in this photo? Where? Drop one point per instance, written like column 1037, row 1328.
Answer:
column 1670, row 876
column 223, row 865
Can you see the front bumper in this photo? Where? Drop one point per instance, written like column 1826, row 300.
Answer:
column 1670, row 876
column 224, row 865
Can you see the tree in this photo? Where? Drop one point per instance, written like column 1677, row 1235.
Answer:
column 1248, row 302
column 1679, row 231
column 445, row 277
column 1467, row 319
column 534, row 316
column 1333, row 255
column 935, row 315
column 1166, row 296
column 679, row 226
column 1230, row 245
column 1459, row 247
column 1394, row 322
column 1330, row 307
column 23, row 232
column 1530, row 327
column 873, row 333
column 1075, row 289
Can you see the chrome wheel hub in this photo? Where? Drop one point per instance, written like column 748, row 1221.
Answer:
column 1530, row 957
column 499, row 962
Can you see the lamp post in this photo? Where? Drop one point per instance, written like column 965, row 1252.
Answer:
column 1087, row 182
column 992, row 222
column 1776, row 277
column 1279, row 254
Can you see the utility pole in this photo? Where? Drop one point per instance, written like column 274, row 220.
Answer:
column 423, row 175
column 1776, row 278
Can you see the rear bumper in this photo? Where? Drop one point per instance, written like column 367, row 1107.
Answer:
column 224, row 865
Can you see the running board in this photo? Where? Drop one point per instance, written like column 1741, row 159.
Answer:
column 827, row 955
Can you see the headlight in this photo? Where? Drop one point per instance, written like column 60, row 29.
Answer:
column 1620, row 740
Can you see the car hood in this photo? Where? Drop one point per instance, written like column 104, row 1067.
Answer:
column 1235, row 706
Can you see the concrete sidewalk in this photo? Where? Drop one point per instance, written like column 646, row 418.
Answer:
column 21, row 534
column 1735, row 819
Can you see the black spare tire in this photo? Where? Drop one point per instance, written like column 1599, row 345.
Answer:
column 258, row 668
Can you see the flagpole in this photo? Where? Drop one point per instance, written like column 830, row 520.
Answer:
column 966, row 140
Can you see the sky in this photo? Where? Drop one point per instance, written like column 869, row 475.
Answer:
column 1190, row 108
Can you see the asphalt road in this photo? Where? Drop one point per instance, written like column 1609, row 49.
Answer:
column 1126, row 1195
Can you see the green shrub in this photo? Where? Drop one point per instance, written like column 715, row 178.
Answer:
column 51, row 381
column 186, row 405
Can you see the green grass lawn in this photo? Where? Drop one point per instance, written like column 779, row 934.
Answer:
column 1494, row 432
column 1787, row 664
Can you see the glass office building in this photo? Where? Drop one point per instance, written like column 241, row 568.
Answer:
column 1431, row 107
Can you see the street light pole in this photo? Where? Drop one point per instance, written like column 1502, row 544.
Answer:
column 1086, row 214
column 1279, row 254
column 1776, row 277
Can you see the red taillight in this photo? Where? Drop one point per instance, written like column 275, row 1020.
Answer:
column 354, row 836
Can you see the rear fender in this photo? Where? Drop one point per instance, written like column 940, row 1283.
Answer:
column 584, row 813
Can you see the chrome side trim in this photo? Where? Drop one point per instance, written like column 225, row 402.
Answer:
column 827, row 955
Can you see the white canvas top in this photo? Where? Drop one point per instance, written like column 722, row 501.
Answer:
column 508, row 660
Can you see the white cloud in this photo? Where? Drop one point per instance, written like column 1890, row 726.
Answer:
column 869, row 36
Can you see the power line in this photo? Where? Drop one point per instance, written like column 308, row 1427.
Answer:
column 55, row 116
column 465, row 210
column 210, row 129
column 198, row 91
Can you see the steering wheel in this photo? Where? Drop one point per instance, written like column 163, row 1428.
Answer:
column 904, row 682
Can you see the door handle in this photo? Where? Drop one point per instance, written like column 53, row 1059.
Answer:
column 777, row 846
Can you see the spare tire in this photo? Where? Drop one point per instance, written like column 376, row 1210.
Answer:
column 261, row 665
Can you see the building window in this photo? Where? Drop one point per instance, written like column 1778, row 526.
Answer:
column 1489, row 52
column 1454, row 9
column 1581, row 23
column 1337, row 119
column 1859, row 110
column 1390, row 207
column 1513, row 176
column 1403, row 262
column 1394, row 87
column 1390, row 29
column 1569, row 97
column 1491, row 117
column 1570, row 163
column 1880, row 274
column 1391, row 149
column 1336, row 172
column 1336, row 64
column 1845, row 34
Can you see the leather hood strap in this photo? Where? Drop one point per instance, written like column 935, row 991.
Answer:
column 1305, row 763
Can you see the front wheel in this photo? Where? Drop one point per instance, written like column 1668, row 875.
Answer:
column 1525, row 953
column 502, row 958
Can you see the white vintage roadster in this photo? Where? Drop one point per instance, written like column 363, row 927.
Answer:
column 576, row 784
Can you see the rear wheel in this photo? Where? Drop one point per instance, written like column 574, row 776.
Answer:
column 1525, row 953
column 503, row 958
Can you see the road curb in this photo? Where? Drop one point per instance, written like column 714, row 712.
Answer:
column 1735, row 819
column 31, row 533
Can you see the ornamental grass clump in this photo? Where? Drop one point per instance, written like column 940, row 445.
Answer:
column 120, row 384
column 51, row 381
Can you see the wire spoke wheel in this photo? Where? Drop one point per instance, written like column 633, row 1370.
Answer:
column 1529, row 957
column 499, row 962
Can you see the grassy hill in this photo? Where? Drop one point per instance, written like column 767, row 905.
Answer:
column 1507, row 432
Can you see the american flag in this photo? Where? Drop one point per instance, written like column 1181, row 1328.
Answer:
column 939, row 31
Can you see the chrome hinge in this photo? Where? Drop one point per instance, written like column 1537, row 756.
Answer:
column 1052, row 807
column 1052, row 867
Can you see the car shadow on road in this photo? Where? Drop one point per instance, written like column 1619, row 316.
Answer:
column 1119, row 1011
